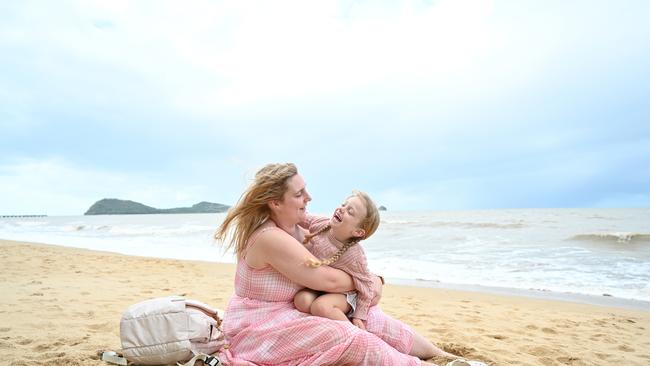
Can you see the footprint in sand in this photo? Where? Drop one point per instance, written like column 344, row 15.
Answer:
column 541, row 351
column 99, row 326
column 597, row 336
column 569, row 360
column 602, row 356
column 498, row 336
column 549, row 331
column 24, row 342
column 37, row 294
column 41, row 347
column 5, row 329
column 625, row 348
column 50, row 357
column 532, row 327
column 58, row 343
column 88, row 314
column 545, row 361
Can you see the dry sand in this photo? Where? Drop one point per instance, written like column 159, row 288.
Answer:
column 60, row 306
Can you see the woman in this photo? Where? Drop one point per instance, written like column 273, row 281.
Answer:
column 261, row 322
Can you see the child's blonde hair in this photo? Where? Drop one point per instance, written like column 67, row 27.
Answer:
column 369, row 225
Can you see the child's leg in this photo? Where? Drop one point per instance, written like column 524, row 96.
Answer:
column 304, row 299
column 332, row 306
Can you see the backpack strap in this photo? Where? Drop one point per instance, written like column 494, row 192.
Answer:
column 205, row 309
column 207, row 360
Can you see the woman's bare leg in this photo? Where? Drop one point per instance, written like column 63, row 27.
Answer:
column 424, row 349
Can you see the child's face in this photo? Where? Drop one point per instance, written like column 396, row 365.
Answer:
column 348, row 216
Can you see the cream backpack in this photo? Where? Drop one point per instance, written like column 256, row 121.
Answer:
column 170, row 330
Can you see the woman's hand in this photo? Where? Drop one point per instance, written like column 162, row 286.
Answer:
column 378, row 285
column 359, row 323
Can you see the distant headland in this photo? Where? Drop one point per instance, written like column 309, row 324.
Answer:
column 112, row 206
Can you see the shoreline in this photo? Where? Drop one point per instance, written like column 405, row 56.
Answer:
column 607, row 301
column 61, row 305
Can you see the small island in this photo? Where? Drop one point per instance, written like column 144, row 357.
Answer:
column 112, row 206
column 382, row 208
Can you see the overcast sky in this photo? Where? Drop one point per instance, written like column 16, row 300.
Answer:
column 425, row 105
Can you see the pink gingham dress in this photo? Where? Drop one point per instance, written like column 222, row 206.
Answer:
column 263, row 327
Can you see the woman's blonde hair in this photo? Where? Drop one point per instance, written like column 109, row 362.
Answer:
column 252, row 209
column 369, row 224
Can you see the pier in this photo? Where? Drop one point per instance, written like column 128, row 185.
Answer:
column 5, row 216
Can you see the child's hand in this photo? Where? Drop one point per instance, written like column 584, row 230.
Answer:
column 359, row 323
column 378, row 286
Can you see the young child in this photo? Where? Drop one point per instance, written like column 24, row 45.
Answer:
column 335, row 240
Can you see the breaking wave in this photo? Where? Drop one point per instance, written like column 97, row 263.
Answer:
column 618, row 237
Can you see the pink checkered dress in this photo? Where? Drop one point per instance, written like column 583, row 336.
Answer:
column 264, row 328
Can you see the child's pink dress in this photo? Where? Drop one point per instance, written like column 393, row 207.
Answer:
column 353, row 261
column 263, row 327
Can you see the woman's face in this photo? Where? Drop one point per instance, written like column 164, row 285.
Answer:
column 293, row 204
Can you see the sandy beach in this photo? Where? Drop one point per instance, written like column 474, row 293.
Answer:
column 60, row 306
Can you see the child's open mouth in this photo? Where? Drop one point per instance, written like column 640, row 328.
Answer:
column 337, row 216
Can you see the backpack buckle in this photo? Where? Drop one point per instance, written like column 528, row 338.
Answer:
column 212, row 361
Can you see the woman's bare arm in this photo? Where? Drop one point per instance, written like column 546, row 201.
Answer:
column 284, row 253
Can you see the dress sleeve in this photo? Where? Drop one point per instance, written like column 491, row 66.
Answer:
column 363, row 282
column 313, row 223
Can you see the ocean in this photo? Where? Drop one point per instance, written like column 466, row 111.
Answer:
column 599, row 256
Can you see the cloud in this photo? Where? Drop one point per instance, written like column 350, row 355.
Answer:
column 431, row 105
column 225, row 54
